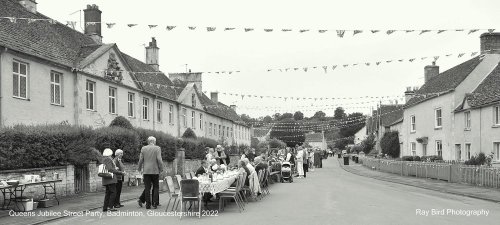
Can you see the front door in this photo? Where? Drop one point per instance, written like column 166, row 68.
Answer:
column 458, row 152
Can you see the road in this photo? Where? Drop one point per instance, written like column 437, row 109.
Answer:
column 328, row 196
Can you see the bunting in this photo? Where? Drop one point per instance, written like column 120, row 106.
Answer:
column 340, row 33
column 169, row 28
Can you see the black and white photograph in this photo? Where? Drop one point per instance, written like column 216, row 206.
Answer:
column 249, row 112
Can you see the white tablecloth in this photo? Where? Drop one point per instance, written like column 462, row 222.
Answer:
column 217, row 186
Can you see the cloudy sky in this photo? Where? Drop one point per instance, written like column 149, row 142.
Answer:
column 254, row 52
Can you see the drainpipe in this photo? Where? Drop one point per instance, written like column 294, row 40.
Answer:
column 178, row 119
column 154, row 114
column 480, row 129
column 2, row 50
column 76, row 94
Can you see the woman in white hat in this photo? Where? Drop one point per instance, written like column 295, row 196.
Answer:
column 109, row 182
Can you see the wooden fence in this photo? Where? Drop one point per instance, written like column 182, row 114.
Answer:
column 446, row 171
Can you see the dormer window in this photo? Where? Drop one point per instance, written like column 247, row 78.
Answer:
column 193, row 99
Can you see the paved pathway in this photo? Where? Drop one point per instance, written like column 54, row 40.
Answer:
column 327, row 196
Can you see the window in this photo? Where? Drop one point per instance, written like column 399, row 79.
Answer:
column 145, row 108
column 458, row 151
column 227, row 131
column 413, row 124
column 159, row 106
column 232, row 134
column 201, row 121
column 223, row 129
column 424, row 149
column 467, row 120
column 215, row 129
column 193, row 118
column 131, row 104
column 184, row 117
column 90, row 95
column 220, row 130
column 55, row 88
column 496, row 115
column 112, row 100
column 467, row 150
column 171, row 114
column 20, row 80
column 210, row 129
column 439, row 148
column 438, row 118
column 193, row 100
column 496, row 151
column 413, row 148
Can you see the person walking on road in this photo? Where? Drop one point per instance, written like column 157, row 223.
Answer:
column 119, row 178
column 300, row 162
column 151, row 165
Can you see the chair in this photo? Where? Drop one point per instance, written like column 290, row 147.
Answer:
column 190, row 192
column 261, row 182
column 171, row 192
column 192, row 174
column 178, row 178
column 241, row 179
column 188, row 176
column 266, row 181
column 234, row 194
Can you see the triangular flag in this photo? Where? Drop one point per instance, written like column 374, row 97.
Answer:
column 334, row 66
column 423, row 58
column 375, row 31
column 409, row 31
column 389, row 61
column 209, row 29
column 151, row 26
column 12, row 19
column 295, row 68
column 71, row 24
column 400, row 60
column 30, row 20
column 340, row 33
column 367, row 64
column 448, row 55
column 357, row 32
column 424, row 31
column 169, row 28
column 322, row 31
column 228, row 28
column 302, row 31
column 491, row 30
column 192, row 28
column 472, row 31
column 377, row 63
column 390, row 32
column 460, row 55
column 268, row 30
column 325, row 68
column 305, row 69
column 345, row 65
column 52, row 21
column 411, row 60
column 459, row 30
column 473, row 54
column 286, row 30
column 441, row 31
column 110, row 25
column 131, row 25
column 90, row 23
column 436, row 58
column 248, row 29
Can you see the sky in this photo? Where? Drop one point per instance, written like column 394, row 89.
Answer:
column 254, row 52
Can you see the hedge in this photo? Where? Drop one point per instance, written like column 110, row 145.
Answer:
column 390, row 144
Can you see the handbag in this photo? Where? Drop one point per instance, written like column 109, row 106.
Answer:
column 103, row 172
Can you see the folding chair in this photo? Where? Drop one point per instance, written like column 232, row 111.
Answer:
column 190, row 192
column 234, row 194
column 171, row 192
column 192, row 174
column 178, row 178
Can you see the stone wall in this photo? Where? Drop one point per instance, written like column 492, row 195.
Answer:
column 66, row 174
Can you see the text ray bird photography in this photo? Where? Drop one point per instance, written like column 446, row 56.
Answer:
column 249, row 112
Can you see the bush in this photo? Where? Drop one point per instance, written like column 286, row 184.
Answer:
column 368, row 143
column 275, row 143
column 431, row 158
column 189, row 134
column 166, row 142
column 119, row 138
column 407, row 158
column 122, row 122
column 476, row 160
column 356, row 148
column 390, row 144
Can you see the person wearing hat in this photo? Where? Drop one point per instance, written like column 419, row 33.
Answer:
column 119, row 184
column 300, row 160
column 109, row 182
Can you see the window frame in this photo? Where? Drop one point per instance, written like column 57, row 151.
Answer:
column 93, row 93
column 496, row 115
column 467, row 120
column 159, row 111
column 438, row 121
column 201, row 121
column 170, row 114
column 145, row 108
column 193, row 100
column 210, row 129
column 131, row 105
column 439, row 148
column 184, row 117
column 468, row 148
column 193, row 119
column 413, row 123
column 496, row 150
column 53, row 85
column 113, row 100
column 19, row 76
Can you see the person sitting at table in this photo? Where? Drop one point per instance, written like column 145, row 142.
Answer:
column 259, row 164
column 210, row 155
column 242, row 167
column 203, row 168
column 249, row 165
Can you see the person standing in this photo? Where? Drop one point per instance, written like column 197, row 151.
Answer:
column 119, row 184
column 109, row 182
column 221, row 155
column 300, row 162
column 151, row 165
column 305, row 162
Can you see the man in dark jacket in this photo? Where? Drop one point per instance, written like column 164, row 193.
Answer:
column 151, row 164
column 203, row 168
column 109, row 182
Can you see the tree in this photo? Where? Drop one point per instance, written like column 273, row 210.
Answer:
column 339, row 113
column 122, row 122
column 368, row 143
column 268, row 119
column 351, row 125
column 246, row 118
column 289, row 131
column 277, row 116
column 319, row 114
column 390, row 144
column 286, row 116
column 298, row 115
column 189, row 134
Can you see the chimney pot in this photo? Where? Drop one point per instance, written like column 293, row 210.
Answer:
column 215, row 97
column 92, row 18
column 431, row 71
column 30, row 5
column 490, row 43
column 152, row 54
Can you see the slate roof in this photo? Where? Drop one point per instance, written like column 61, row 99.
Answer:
column 390, row 114
column 488, row 91
column 315, row 137
column 54, row 42
column 444, row 82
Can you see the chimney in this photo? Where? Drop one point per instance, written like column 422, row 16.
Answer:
column 30, row 5
column 409, row 93
column 92, row 18
column 233, row 107
column 431, row 71
column 490, row 43
column 189, row 78
column 152, row 52
column 215, row 97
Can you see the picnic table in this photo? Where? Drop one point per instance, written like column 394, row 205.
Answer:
column 14, row 193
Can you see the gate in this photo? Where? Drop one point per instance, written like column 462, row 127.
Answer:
column 81, row 179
